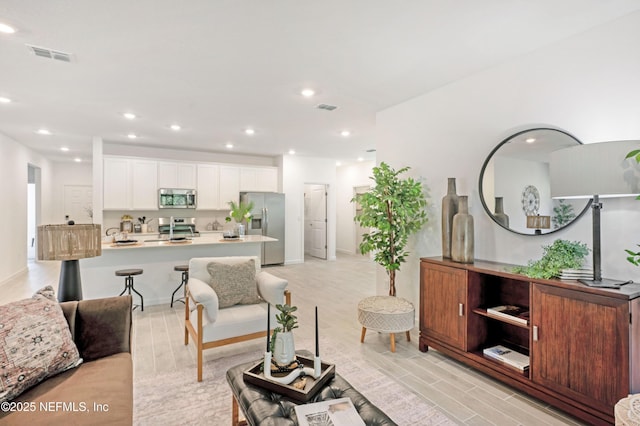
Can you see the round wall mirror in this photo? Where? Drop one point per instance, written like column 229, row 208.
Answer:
column 515, row 188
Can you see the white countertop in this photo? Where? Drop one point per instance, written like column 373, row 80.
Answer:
column 204, row 239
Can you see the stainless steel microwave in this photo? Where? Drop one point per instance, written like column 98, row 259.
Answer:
column 169, row 198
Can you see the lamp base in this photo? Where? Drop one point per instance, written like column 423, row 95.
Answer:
column 69, row 286
column 605, row 283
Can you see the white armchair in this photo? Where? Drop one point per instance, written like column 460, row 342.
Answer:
column 211, row 326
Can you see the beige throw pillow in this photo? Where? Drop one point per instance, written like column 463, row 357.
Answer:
column 234, row 284
column 35, row 343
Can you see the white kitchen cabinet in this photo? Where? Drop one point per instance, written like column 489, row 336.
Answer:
column 229, row 185
column 264, row 179
column 116, row 184
column 177, row 175
column 144, row 185
column 130, row 184
column 208, row 188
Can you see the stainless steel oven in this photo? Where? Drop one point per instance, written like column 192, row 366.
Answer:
column 169, row 198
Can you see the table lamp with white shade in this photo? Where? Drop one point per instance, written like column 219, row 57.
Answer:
column 597, row 170
column 69, row 243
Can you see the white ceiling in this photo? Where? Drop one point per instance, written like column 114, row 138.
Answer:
column 217, row 67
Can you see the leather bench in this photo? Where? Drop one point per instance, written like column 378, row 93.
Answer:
column 263, row 407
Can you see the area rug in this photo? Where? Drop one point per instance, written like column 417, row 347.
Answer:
column 177, row 398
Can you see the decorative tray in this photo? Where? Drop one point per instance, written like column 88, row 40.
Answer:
column 178, row 241
column 122, row 243
column 255, row 376
column 224, row 240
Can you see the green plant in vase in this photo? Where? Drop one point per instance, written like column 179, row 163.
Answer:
column 562, row 254
column 393, row 209
column 282, row 344
column 239, row 212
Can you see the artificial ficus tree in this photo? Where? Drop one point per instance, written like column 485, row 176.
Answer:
column 393, row 209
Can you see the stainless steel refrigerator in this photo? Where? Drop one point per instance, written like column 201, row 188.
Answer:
column 267, row 219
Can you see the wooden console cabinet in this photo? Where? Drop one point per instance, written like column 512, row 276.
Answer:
column 583, row 343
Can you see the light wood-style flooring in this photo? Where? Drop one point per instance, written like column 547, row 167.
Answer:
column 464, row 395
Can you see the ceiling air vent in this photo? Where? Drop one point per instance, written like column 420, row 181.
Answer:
column 371, row 150
column 326, row 107
column 50, row 53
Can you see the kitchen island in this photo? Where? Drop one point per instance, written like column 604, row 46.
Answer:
column 157, row 259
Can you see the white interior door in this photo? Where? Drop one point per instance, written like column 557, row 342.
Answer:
column 317, row 221
column 78, row 202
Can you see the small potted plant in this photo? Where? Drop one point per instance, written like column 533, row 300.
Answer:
column 239, row 213
column 282, row 344
column 562, row 254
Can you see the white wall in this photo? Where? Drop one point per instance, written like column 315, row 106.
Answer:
column 349, row 177
column 14, row 161
column 296, row 172
column 587, row 85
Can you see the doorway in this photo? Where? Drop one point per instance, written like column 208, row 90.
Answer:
column 360, row 231
column 315, row 220
column 33, row 207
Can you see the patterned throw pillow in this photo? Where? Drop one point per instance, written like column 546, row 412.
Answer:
column 234, row 284
column 35, row 343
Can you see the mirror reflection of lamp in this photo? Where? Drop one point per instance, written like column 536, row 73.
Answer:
column 69, row 243
column 538, row 223
column 596, row 170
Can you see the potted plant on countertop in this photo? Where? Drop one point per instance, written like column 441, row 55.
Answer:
column 393, row 209
column 282, row 344
column 240, row 213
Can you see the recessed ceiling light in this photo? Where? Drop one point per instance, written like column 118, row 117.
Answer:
column 175, row 127
column 307, row 93
column 64, row 148
column 345, row 133
column 129, row 115
column 360, row 159
column 132, row 136
column 229, row 145
column 77, row 159
column 291, row 152
column 249, row 131
column 43, row 132
column 338, row 163
column 530, row 140
column 4, row 28
column 4, row 100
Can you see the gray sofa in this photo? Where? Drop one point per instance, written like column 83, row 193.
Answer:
column 100, row 390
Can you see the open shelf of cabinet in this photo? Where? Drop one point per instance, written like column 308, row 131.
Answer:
column 598, row 327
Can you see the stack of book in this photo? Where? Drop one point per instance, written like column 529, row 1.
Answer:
column 513, row 313
column 508, row 357
column 576, row 274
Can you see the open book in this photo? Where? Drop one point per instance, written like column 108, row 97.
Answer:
column 332, row 412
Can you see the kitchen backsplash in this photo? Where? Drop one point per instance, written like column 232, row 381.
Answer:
column 205, row 220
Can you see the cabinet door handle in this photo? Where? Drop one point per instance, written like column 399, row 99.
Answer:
column 460, row 309
column 535, row 333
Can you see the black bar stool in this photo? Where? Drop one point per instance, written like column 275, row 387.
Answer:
column 128, row 284
column 185, row 277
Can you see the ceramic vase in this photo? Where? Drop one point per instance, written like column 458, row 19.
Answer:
column 500, row 215
column 284, row 350
column 449, row 209
column 462, row 235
